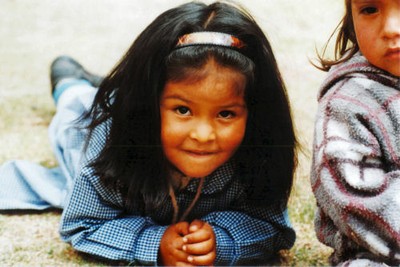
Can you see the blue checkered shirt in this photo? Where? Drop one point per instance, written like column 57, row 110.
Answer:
column 96, row 220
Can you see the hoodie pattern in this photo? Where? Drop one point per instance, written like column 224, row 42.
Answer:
column 356, row 163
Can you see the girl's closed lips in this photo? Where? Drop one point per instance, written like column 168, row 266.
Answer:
column 393, row 53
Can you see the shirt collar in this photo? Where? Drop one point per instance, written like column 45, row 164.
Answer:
column 215, row 182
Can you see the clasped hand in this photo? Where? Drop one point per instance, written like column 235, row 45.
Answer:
column 185, row 244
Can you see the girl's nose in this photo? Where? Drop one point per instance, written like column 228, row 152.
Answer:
column 203, row 132
column 392, row 24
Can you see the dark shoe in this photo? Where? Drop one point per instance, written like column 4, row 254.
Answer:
column 66, row 67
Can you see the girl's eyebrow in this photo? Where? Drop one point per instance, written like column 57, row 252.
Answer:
column 176, row 96
column 234, row 105
column 359, row 2
column 179, row 97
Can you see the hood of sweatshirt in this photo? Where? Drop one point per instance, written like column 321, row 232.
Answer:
column 357, row 66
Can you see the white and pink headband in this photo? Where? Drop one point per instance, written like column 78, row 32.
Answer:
column 209, row 38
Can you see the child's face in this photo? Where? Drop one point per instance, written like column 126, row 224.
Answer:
column 377, row 27
column 203, row 120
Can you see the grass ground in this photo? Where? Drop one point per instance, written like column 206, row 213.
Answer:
column 97, row 32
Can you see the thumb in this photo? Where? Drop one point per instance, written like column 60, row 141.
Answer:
column 196, row 225
column 182, row 228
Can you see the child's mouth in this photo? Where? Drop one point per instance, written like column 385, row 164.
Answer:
column 393, row 53
column 200, row 153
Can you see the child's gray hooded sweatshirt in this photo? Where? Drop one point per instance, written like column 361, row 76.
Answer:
column 356, row 163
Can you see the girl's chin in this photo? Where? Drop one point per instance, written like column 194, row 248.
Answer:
column 196, row 174
column 192, row 173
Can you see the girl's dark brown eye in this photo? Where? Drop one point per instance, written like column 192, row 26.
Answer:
column 226, row 114
column 182, row 110
column 369, row 10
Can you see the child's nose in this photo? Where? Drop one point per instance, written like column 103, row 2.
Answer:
column 203, row 132
column 392, row 24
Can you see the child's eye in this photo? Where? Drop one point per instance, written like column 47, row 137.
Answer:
column 183, row 111
column 369, row 10
column 226, row 114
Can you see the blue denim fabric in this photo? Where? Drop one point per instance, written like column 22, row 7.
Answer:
column 27, row 185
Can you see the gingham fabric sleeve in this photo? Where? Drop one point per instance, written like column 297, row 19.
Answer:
column 94, row 219
column 245, row 233
column 242, row 239
column 356, row 164
column 93, row 223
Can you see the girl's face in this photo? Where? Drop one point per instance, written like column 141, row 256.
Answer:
column 203, row 119
column 377, row 27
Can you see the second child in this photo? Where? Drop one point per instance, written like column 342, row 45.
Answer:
column 356, row 165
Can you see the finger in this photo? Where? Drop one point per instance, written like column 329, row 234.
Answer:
column 179, row 255
column 205, row 260
column 182, row 228
column 174, row 240
column 199, row 248
column 196, row 225
column 171, row 256
column 198, row 236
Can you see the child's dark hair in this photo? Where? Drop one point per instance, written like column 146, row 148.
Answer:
column 133, row 161
column 346, row 42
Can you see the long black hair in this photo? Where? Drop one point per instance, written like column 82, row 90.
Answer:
column 132, row 159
